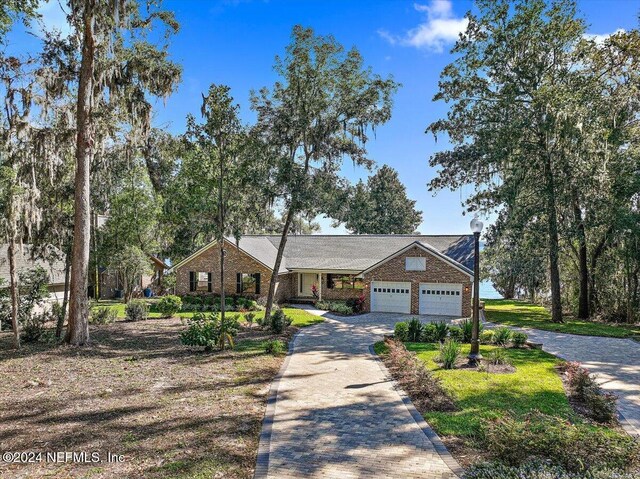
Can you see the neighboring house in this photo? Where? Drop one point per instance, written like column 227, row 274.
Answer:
column 110, row 281
column 55, row 267
column 417, row 274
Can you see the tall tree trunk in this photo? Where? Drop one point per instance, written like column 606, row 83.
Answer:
column 65, row 298
column 552, row 225
column 597, row 253
column 78, row 327
column 221, row 238
column 583, row 296
column 13, row 287
column 276, row 266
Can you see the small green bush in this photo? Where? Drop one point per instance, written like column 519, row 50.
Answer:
column 202, row 331
column 498, row 356
column 169, row 305
column 209, row 331
column 275, row 347
column 449, row 353
column 137, row 310
column 487, row 336
column 429, row 333
column 502, row 336
column 519, row 339
column 33, row 326
column 442, row 329
column 401, row 331
column 575, row 447
column 456, row 333
column 249, row 318
column 279, row 321
column 103, row 315
column 414, row 330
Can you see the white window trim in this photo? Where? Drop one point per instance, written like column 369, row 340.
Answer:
column 415, row 263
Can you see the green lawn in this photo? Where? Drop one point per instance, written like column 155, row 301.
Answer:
column 526, row 315
column 479, row 396
column 119, row 307
column 301, row 318
column 534, row 385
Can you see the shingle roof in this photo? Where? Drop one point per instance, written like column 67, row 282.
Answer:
column 350, row 252
column 55, row 268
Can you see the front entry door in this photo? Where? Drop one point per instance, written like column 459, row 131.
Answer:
column 307, row 280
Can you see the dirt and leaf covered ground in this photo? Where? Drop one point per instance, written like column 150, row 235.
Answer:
column 172, row 411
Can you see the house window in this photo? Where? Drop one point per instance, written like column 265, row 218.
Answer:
column 200, row 281
column 344, row 281
column 415, row 263
column 247, row 283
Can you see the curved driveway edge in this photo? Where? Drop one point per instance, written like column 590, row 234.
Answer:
column 334, row 412
column 614, row 361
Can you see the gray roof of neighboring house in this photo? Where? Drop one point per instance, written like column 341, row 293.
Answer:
column 350, row 252
column 55, row 267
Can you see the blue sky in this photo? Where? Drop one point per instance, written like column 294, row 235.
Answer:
column 234, row 42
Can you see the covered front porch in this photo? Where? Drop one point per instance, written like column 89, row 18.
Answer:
column 311, row 285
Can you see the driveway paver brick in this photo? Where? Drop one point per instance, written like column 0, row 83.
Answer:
column 337, row 414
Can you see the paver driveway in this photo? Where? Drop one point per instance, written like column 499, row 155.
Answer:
column 337, row 414
column 615, row 362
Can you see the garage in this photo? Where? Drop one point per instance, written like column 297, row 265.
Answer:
column 391, row 296
column 441, row 299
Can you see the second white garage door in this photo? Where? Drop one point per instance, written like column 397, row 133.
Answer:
column 441, row 299
column 391, row 297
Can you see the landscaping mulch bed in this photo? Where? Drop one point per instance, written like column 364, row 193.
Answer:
column 172, row 411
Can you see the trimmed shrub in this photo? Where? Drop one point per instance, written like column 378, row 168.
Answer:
column 414, row 330
column 575, row 447
column 33, row 326
column 169, row 305
column 429, row 333
column 449, row 353
column 137, row 310
column 103, row 315
column 279, row 321
column 519, row 339
column 401, row 331
column 275, row 347
column 502, row 336
column 487, row 336
column 456, row 333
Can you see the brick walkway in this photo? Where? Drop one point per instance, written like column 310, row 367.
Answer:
column 337, row 414
column 615, row 362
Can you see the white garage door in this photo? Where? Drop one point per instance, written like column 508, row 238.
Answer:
column 441, row 298
column 391, row 297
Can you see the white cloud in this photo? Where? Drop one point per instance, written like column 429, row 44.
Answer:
column 440, row 28
column 599, row 38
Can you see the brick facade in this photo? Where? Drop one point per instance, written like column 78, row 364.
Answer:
column 237, row 261
column 437, row 271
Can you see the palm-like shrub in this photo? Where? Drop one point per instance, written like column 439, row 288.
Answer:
column 227, row 329
column 449, row 353
column 401, row 331
column 414, row 330
column 502, row 336
column 441, row 331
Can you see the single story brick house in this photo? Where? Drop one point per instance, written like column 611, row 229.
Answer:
column 416, row 274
